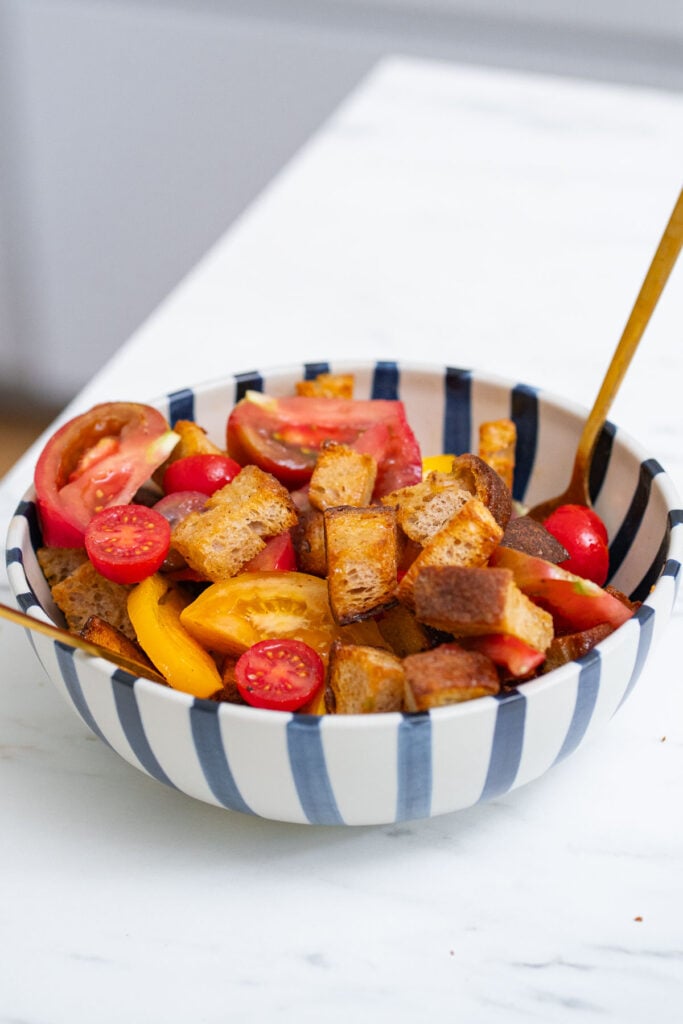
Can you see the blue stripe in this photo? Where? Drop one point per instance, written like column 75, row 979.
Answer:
column 586, row 697
column 457, row 425
column 311, row 370
column 14, row 556
column 307, row 761
column 508, row 741
column 414, row 798
column 645, row 617
column 131, row 723
column 65, row 660
column 208, row 744
column 181, row 406
column 250, row 381
column 634, row 517
column 26, row 601
column 29, row 510
column 600, row 460
column 524, row 414
column 385, row 381
column 674, row 518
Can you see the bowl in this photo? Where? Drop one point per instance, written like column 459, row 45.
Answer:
column 378, row 769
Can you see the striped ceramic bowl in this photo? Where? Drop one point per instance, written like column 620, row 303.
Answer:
column 357, row 770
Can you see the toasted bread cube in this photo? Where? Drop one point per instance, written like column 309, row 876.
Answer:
column 85, row 592
column 574, row 645
column 58, row 563
column 232, row 528
column 363, row 680
column 527, row 535
column 473, row 601
column 401, row 630
column 102, row 633
column 467, row 539
column 362, row 555
column 341, row 476
column 447, row 675
column 497, row 441
column 327, row 385
column 308, row 537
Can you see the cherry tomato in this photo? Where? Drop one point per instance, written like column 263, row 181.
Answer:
column 127, row 543
column 176, row 506
column 205, row 473
column 282, row 675
column 277, row 556
column 583, row 534
column 96, row 460
column 283, row 436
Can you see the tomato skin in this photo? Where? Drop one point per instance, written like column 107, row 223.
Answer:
column 205, row 473
column 281, row 675
column 127, row 543
column 283, row 436
column 277, row 556
column 581, row 531
column 97, row 459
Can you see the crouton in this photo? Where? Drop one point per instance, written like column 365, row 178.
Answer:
column 308, row 537
column 447, row 675
column 363, row 680
column 218, row 540
column 401, row 630
column 327, row 385
column 362, row 551
column 228, row 693
column 473, row 601
column 574, row 645
column 102, row 633
column 85, row 592
column 341, row 476
column 497, row 440
column 531, row 537
column 58, row 563
column 467, row 539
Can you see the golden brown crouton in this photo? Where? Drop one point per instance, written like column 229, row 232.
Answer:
column 466, row 539
column 58, row 563
column 308, row 537
column 467, row 601
column 102, row 633
column 447, row 675
column 85, row 593
column 327, row 385
column 231, row 529
column 363, row 680
column 341, row 476
column 362, row 552
column 497, row 440
column 401, row 630
column 574, row 645
column 527, row 535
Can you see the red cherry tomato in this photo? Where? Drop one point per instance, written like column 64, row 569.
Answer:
column 127, row 543
column 283, row 436
column 583, row 534
column 282, row 675
column 205, row 473
column 277, row 556
column 176, row 506
column 96, row 460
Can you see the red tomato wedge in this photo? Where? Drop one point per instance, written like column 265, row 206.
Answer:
column 579, row 602
column 282, row 675
column 509, row 652
column 205, row 473
column 283, row 436
column 127, row 543
column 96, row 460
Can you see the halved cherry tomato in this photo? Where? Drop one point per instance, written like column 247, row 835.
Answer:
column 127, row 543
column 508, row 651
column 282, row 675
column 205, row 473
column 283, row 436
column 582, row 532
column 176, row 506
column 277, row 556
column 96, row 460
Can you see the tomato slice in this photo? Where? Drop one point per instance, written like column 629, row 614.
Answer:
column 283, row 436
column 581, row 531
column 277, row 556
column 282, row 675
column 206, row 473
column 127, row 543
column 96, row 460
column 511, row 653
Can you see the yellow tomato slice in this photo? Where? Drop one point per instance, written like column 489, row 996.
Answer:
column 234, row 614
column 437, row 464
column 155, row 607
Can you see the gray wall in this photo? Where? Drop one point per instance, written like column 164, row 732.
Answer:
column 133, row 133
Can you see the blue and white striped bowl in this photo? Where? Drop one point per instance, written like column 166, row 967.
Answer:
column 359, row 770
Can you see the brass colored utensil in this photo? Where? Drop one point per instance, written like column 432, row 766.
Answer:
column 63, row 635
column 662, row 264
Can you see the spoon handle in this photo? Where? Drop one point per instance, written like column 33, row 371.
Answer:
column 648, row 296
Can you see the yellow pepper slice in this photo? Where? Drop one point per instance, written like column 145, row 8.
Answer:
column 154, row 607
column 437, row 464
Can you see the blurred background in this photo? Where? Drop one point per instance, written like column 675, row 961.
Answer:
column 133, row 132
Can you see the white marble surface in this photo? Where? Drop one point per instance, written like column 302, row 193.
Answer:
column 449, row 215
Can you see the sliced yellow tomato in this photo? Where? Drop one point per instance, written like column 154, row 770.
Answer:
column 155, row 608
column 437, row 464
column 234, row 614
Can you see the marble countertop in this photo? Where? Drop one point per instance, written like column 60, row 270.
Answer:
column 449, row 215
